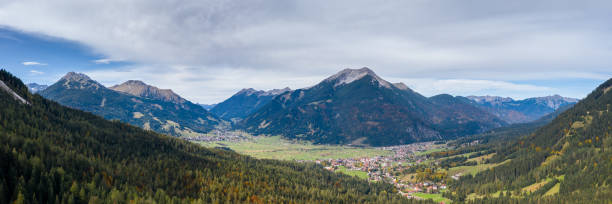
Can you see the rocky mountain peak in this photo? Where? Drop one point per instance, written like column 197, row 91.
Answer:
column 348, row 75
column 555, row 101
column 401, row 86
column 141, row 89
column 73, row 76
column 246, row 91
column 73, row 80
column 490, row 99
column 135, row 83
column 275, row 92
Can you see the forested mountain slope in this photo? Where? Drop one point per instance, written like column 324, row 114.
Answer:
column 133, row 102
column 54, row 154
column 571, row 157
column 356, row 106
column 513, row 131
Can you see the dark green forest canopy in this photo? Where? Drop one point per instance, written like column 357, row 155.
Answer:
column 575, row 146
column 54, row 154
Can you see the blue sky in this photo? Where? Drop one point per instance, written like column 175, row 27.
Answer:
column 44, row 59
column 208, row 50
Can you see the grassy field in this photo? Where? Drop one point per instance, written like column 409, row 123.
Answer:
column 473, row 169
column 554, row 190
column 274, row 147
column 528, row 189
column 359, row 174
column 536, row 186
column 437, row 149
column 436, row 197
column 482, row 158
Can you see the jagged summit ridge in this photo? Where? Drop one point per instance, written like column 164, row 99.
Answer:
column 141, row 89
column 273, row 92
column 490, row 99
column 555, row 101
column 401, row 86
column 245, row 102
column 73, row 76
column 525, row 110
column 348, row 75
column 35, row 88
column 73, row 80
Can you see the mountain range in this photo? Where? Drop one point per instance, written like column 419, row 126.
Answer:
column 356, row 106
column 245, row 102
column 521, row 111
column 207, row 106
column 54, row 154
column 570, row 155
column 133, row 102
column 35, row 88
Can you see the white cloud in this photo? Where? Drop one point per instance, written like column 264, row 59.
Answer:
column 207, row 86
column 31, row 63
column 465, row 87
column 281, row 40
column 106, row 61
column 36, row 72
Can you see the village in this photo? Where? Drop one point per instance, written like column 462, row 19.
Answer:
column 219, row 135
column 397, row 169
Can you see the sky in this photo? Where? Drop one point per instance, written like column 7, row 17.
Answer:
column 206, row 50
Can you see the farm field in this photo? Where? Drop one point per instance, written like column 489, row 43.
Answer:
column 436, row 197
column 359, row 174
column 473, row 169
column 275, row 147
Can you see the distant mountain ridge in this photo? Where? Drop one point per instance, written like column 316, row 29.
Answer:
column 569, row 158
column 521, row 111
column 208, row 106
column 137, row 103
column 356, row 106
column 140, row 89
column 245, row 102
column 35, row 88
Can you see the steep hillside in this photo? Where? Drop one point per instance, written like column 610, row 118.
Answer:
column 513, row 131
column 571, row 157
column 459, row 116
column 522, row 111
column 355, row 106
column 244, row 103
column 54, row 154
column 157, row 112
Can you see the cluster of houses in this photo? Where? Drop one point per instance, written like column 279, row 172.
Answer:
column 220, row 135
column 385, row 168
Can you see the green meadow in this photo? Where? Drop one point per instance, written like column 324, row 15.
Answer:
column 275, row 147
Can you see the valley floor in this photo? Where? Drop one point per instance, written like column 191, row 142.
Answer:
column 396, row 165
column 418, row 171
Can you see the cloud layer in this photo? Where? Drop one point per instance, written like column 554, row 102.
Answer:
column 31, row 63
column 221, row 46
